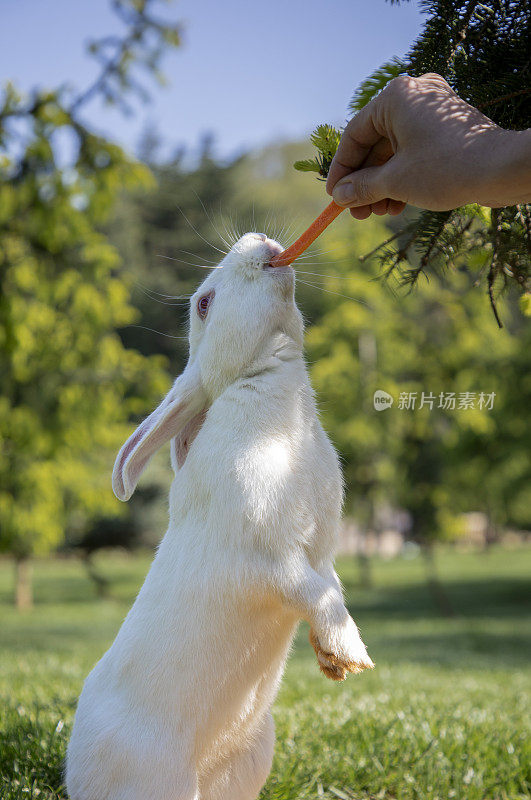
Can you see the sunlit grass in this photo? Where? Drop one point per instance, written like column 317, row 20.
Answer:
column 444, row 715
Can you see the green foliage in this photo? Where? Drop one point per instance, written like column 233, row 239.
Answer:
column 140, row 48
column 370, row 87
column 326, row 139
column 443, row 714
column 167, row 236
column 484, row 52
column 438, row 338
column 69, row 386
column 525, row 304
column 430, row 460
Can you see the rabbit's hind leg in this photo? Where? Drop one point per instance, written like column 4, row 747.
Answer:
column 162, row 788
column 242, row 775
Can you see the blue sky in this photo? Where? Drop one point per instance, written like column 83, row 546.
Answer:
column 249, row 72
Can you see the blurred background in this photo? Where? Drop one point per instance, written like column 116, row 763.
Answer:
column 137, row 139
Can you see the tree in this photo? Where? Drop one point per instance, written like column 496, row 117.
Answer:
column 69, row 385
column 165, row 235
column 428, row 454
column 196, row 207
column 483, row 50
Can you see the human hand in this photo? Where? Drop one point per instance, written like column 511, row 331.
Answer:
column 417, row 142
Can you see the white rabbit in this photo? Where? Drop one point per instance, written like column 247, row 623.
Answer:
column 179, row 707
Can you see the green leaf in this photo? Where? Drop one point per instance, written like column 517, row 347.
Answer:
column 525, row 304
column 374, row 84
column 308, row 165
column 326, row 139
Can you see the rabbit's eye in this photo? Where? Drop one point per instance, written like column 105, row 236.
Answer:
column 203, row 304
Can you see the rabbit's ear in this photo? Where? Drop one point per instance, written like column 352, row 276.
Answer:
column 181, row 443
column 183, row 402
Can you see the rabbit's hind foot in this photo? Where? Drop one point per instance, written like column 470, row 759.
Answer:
column 242, row 775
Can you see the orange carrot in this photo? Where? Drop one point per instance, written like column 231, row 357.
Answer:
column 310, row 235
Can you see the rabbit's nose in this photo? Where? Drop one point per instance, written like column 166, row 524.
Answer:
column 260, row 236
column 273, row 247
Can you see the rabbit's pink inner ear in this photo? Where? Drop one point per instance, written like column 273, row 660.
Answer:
column 119, row 478
column 183, row 402
column 154, row 435
column 182, row 442
column 132, row 442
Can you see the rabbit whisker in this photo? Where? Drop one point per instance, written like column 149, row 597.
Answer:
column 267, row 220
column 274, row 225
column 211, row 220
column 226, row 228
column 329, row 291
column 312, row 253
column 325, row 275
column 190, row 263
column 275, row 233
column 190, row 253
column 288, row 230
column 232, row 229
column 277, row 227
column 166, row 302
column 237, row 232
column 163, row 294
column 280, row 231
column 336, row 262
column 160, row 333
column 200, row 235
column 317, row 257
column 317, row 264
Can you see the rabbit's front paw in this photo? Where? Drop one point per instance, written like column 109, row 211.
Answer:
column 344, row 652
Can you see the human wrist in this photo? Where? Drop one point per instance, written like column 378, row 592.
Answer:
column 506, row 180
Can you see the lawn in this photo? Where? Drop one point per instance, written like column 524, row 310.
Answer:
column 445, row 714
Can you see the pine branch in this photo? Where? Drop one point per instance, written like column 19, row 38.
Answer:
column 433, row 241
column 380, row 246
column 484, row 52
column 494, row 264
column 308, row 165
column 524, row 214
column 372, row 85
column 460, row 34
column 503, row 98
column 326, row 139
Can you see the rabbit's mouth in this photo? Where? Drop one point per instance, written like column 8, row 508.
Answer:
column 278, row 270
column 283, row 280
column 274, row 249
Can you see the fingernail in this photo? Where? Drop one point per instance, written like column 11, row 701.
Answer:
column 343, row 193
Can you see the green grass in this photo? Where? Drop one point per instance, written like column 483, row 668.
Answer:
column 444, row 715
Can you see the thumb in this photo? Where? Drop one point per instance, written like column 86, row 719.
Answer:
column 363, row 187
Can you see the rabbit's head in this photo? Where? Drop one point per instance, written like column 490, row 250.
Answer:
column 241, row 317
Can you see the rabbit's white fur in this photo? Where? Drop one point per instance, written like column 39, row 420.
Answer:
column 179, row 706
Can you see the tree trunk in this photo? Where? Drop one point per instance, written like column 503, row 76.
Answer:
column 101, row 583
column 364, row 564
column 491, row 534
column 442, row 601
column 365, row 513
column 23, row 585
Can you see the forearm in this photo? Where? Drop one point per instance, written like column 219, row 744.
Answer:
column 316, row 598
column 417, row 142
column 507, row 179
